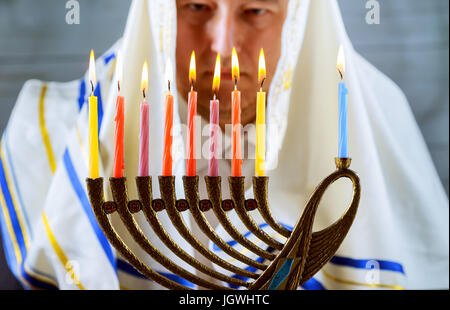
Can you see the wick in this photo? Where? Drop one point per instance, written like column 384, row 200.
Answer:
column 262, row 83
column 340, row 73
column 192, row 85
column 143, row 93
column 215, row 95
column 118, row 85
column 235, row 84
column 168, row 85
column 92, row 86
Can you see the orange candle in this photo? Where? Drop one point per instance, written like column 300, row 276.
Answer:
column 213, row 163
column 236, row 161
column 119, row 119
column 192, row 112
column 168, row 125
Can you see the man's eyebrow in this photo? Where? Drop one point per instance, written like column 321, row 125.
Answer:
column 267, row 1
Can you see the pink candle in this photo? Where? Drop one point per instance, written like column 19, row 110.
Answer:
column 143, row 141
column 213, row 165
column 236, row 162
column 119, row 119
column 118, row 138
column 143, row 132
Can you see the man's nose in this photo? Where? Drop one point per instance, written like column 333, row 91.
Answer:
column 222, row 34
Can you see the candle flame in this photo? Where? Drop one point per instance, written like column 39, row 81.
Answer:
column 119, row 69
column 262, row 67
column 341, row 60
column 235, row 65
column 92, row 77
column 144, row 80
column 192, row 69
column 216, row 80
column 169, row 73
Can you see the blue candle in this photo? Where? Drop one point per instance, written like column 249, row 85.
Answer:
column 342, row 92
column 343, row 134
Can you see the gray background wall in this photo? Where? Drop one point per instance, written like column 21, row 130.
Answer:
column 410, row 45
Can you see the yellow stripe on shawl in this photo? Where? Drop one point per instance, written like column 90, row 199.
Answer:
column 52, row 163
column 11, row 232
column 10, row 229
column 14, row 201
column 44, row 132
column 60, row 253
column 80, row 141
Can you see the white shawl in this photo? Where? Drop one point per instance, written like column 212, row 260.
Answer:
column 399, row 238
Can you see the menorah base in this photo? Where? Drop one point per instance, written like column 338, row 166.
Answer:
column 297, row 259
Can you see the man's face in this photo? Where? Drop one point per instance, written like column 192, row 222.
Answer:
column 209, row 27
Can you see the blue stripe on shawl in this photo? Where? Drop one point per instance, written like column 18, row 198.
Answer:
column 82, row 196
column 313, row 284
column 12, row 260
column 109, row 57
column 234, row 242
column 82, row 94
column 126, row 267
column 98, row 93
column 12, row 213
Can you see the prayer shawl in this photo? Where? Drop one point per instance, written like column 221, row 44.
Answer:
column 399, row 238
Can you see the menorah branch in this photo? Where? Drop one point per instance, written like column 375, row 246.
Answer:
column 295, row 261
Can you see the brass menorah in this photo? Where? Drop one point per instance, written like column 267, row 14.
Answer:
column 293, row 263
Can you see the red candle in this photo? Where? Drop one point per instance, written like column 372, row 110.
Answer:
column 192, row 112
column 213, row 165
column 119, row 119
column 236, row 161
column 168, row 126
column 143, row 169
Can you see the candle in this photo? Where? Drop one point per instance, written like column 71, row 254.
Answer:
column 93, row 123
column 342, row 95
column 261, row 120
column 236, row 161
column 192, row 112
column 168, row 125
column 143, row 168
column 119, row 119
column 213, row 164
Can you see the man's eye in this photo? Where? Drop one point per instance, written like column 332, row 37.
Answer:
column 256, row 12
column 197, row 7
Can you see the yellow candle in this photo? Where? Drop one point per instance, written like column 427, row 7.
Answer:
column 93, row 124
column 261, row 120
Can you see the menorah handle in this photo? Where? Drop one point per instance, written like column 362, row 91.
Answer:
column 313, row 249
